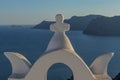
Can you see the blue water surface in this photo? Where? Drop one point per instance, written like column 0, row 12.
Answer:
column 33, row 42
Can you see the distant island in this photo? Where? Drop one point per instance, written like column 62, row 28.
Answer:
column 97, row 25
column 76, row 22
column 104, row 26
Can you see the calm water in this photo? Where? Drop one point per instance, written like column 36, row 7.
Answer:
column 32, row 43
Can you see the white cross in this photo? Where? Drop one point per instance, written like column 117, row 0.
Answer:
column 59, row 26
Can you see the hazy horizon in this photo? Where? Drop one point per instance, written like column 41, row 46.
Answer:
column 23, row 12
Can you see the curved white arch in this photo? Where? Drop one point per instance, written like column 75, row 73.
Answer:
column 20, row 65
column 70, row 58
column 100, row 65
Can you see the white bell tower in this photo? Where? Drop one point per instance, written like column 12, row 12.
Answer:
column 59, row 50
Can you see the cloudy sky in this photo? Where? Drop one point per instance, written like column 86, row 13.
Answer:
column 35, row 11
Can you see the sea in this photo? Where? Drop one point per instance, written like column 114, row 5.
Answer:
column 33, row 42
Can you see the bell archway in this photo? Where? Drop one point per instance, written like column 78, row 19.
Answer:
column 69, row 58
column 59, row 71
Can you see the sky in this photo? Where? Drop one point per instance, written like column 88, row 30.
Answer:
column 22, row 12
